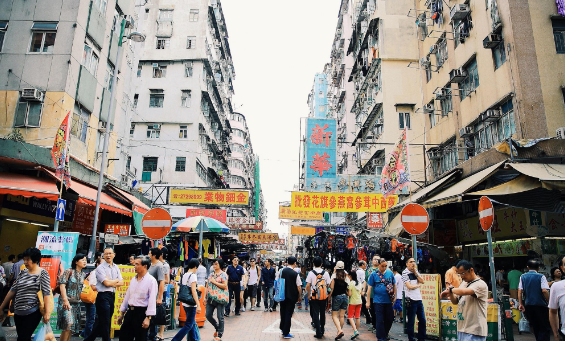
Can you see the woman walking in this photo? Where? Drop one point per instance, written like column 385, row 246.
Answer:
column 71, row 283
column 555, row 276
column 217, row 297
column 190, row 328
column 30, row 281
column 354, row 311
column 339, row 298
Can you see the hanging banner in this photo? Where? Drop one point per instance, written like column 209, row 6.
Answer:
column 225, row 197
column 430, row 291
column 303, row 231
column 375, row 220
column 219, row 215
column 241, row 220
column 128, row 273
column 258, row 237
column 449, row 321
column 289, row 213
column 341, row 202
column 119, row 229
column 257, row 226
column 344, row 183
column 396, row 174
column 507, row 248
column 60, row 151
column 320, row 148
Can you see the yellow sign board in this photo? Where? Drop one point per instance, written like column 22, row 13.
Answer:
column 290, row 213
column 258, row 237
column 190, row 196
column 430, row 290
column 128, row 273
column 304, row 231
column 342, row 202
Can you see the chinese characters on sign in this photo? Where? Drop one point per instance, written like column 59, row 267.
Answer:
column 346, row 184
column 342, row 202
column 321, row 148
column 219, row 215
column 257, row 226
column 256, row 238
column 290, row 213
column 304, row 231
column 84, row 219
column 375, row 221
column 190, row 196
column 430, row 299
column 119, row 229
column 276, row 242
column 241, row 220
column 128, row 273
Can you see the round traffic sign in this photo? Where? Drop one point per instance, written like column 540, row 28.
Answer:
column 414, row 219
column 156, row 223
column 486, row 213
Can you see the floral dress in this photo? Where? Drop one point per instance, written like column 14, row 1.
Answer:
column 70, row 319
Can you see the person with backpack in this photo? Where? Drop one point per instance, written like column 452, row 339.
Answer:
column 317, row 289
column 291, row 286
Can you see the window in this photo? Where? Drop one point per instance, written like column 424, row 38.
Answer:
column 100, row 4
column 471, row 82
column 139, row 67
column 131, row 128
column 90, row 59
column 153, row 131
column 444, row 158
column 559, row 34
column 487, row 134
column 163, row 43
column 188, row 69
column 462, row 31
column 128, row 163
column 3, row 28
column 183, row 132
column 43, row 37
column 135, row 99
column 190, row 42
column 563, row 91
column 109, row 77
column 79, row 127
column 433, row 119
column 150, row 164
column 165, row 15
column 193, row 16
column 28, row 114
column 446, row 103
column 201, row 171
column 441, row 52
column 160, row 72
column 403, row 120
column 499, row 55
column 185, row 98
column 180, row 165
column 156, row 98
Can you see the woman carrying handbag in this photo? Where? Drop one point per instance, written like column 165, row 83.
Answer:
column 190, row 328
column 217, row 297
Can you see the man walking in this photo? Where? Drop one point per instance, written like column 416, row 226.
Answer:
column 254, row 278
column 412, row 280
column 557, row 303
column 267, row 284
column 8, row 266
column 317, row 284
column 471, row 299
column 381, row 285
column 139, row 303
column 536, row 290
column 108, row 278
column 156, row 271
column 292, row 294
column 235, row 273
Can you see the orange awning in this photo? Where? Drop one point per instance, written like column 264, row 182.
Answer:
column 28, row 186
column 138, row 205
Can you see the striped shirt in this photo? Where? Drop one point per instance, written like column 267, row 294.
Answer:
column 26, row 287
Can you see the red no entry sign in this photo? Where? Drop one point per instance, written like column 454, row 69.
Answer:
column 486, row 213
column 414, row 219
column 156, row 223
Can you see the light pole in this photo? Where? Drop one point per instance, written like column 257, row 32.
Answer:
column 137, row 37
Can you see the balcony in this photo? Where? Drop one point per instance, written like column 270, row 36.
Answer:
column 370, row 87
column 367, row 122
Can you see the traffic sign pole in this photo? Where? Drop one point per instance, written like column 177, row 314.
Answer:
column 414, row 248
column 415, row 220
column 492, row 271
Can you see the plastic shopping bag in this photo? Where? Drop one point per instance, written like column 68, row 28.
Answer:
column 40, row 335
column 524, row 325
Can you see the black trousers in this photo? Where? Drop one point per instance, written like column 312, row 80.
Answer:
column 539, row 321
column 104, row 311
column 235, row 291
column 131, row 328
column 318, row 311
column 26, row 324
column 287, row 309
column 365, row 311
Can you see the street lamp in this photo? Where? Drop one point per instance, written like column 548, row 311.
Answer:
column 136, row 37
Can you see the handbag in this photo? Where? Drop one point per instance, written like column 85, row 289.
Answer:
column 185, row 294
column 215, row 293
column 87, row 295
column 160, row 315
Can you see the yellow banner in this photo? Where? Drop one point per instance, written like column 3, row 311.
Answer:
column 290, row 213
column 128, row 273
column 304, row 231
column 342, row 202
column 430, row 299
column 508, row 223
column 190, row 196
column 258, row 237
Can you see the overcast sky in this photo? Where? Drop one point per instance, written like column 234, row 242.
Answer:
column 277, row 48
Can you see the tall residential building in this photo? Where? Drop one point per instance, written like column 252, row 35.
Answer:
column 318, row 97
column 60, row 58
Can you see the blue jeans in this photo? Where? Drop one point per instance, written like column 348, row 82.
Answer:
column 384, row 316
column 90, row 316
column 190, row 329
column 268, row 293
column 416, row 309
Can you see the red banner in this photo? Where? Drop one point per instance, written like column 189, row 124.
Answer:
column 258, row 226
column 219, row 215
column 375, row 220
column 119, row 229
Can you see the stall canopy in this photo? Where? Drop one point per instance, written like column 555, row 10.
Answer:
column 138, row 205
column 552, row 176
column 426, row 191
column 28, row 186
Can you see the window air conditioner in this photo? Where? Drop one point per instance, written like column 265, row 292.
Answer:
column 32, row 94
column 441, row 94
column 560, row 133
column 457, row 75
column 379, row 121
column 492, row 41
column 459, row 12
column 491, row 115
column 425, row 62
column 102, row 126
column 429, row 108
column 466, row 131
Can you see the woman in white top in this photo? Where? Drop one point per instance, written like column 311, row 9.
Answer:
column 190, row 328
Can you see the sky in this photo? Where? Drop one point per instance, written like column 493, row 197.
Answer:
column 277, row 47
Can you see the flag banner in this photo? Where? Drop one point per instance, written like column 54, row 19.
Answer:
column 60, row 151
column 396, row 174
column 342, row 202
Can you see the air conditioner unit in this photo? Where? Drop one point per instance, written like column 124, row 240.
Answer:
column 441, row 94
column 32, row 94
column 434, row 154
column 155, row 65
column 156, row 126
column 466, row 131
column 433, row 48
column 429, row 108
column 459, row 12
column 102, row 126
column 379, row 121
column 560, row 133
column 457, row 75
column 425, row 63
column 492, row 41
column 491, row 115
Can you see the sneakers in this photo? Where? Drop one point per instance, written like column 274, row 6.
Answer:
column 215, row 333
column 355, row 335
column 252, row 308
column 266, row 310
column 288, row 336
column 270, row 310
column 243, row 309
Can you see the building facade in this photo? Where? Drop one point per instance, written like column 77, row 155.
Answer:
column 318, row 97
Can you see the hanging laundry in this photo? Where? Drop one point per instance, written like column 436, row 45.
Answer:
column 205, row 245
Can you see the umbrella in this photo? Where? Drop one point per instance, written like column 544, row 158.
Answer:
column 200, row 224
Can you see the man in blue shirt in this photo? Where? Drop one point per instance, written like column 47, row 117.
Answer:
column 268, row 283
column 381, row 284
column 234, row 272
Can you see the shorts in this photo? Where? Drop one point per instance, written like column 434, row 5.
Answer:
column 469, row 337
column 397, row 305
column 252, row 290
column 340, row 303
column 354, row 311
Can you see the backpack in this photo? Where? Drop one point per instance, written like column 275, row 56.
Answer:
column 279, row 289
column 320, row 290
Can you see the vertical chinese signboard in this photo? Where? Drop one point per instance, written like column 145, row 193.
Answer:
column 128, row 273
column 321, row 148
column 430, row 299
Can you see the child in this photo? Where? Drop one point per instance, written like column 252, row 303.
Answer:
column 354, row 311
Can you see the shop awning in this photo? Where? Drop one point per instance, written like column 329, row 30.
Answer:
column 395, row 226
column 418, row 196
column 138, row 205
column 28, row 186
column 519, row 184
column 542, row 171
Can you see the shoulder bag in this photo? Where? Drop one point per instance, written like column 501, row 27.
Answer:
column 185, row 293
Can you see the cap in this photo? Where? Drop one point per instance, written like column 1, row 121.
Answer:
column 339, row 265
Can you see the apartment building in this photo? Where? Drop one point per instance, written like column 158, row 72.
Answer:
column 318, row 97
column 492, row 70
column 56, row 58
